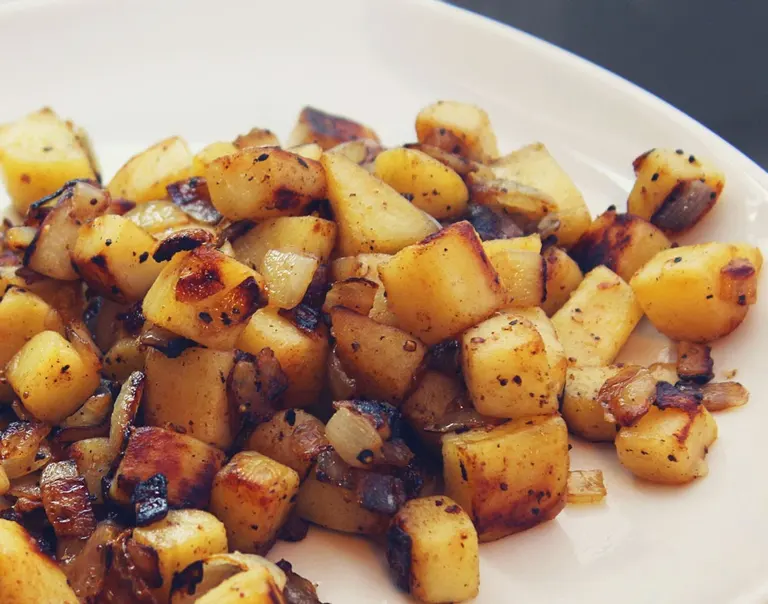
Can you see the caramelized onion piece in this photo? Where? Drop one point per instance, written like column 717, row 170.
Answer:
column 21, row 448
column 87, row 570
column 586, row 486
column 150, row 500
column 167, row 342
column 678, row 397
column 685, row 205
column 66, row 501
column 124, row 413
column 491, row 224
column 461, row 420
column 256, row 384
column 718, row 396
column 193, row 198
column 628, row 395
column 694, row 362
column 297, row 590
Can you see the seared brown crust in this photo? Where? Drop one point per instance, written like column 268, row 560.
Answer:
column 328, row 130
column 181, row 241
column 694, row 362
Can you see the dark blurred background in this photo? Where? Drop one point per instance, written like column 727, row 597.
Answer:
column 709, row 58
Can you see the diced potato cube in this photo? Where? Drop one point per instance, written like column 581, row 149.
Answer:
column 181, row 538
column 145, row 176
column 51, row 377
column 382, row 360
column 598, row 318
column 23, row 315
column 430, row 185
column 94, row 457
column 457, row 285
column 302, row 354
column 38, row 154
column 511, row 477
column 535, row 167
column 287, row 276
column 506, row 368
column 687, row 291
column 458, row 128
column 668, row 445
column 529, row 243
column 114, row 257
column 563, row 277
column 301, row 234
column 207, row 154
column 264, row 182
column 674, row 190
column 189, row 466
column 256, row 586
column 205, row 296
column 327, row 130
column 252, row 495
column 190, row 391
column 523, row 276
column 558, row 363
column 370, row 215
column 257, row 137
column 432, row 550
column 622, row 242
column 26, row 574
column 581, row 410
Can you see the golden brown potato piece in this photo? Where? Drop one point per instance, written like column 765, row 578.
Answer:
column 370, row 215
column 52, row 377
column 207, row 154
column 668, row 445
column 38, row 154
column 181, row 538
column 257, row 137
column 327, row 130
column 522, row 273
column 300, row 234
column 382, row 360
column 26, row 574
column 189, row 466
column 558, row 363
column 114, row 257
column 674, row 190
column 598, row 318
column 458, row 128
column 432, row 550
column 302, row 354
column 190, row 392
column 506, row 368
column 563, row 277
column 93, row 457
column 255, row 586
column 457, row 285
column 205, row 296
column 511, row 477
column 145, row 176
column 430, row 185
column 581, row 408
column 533, row 166
column 264, row 182
column 22, row 316
column 252, row 495
column 698, row 293
column 622, row 242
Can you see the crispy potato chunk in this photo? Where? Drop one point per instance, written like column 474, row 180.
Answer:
column 114, row 257
column 370, row 215
column 694, row 293
column 457, row 285
column 207, row 154
column 257, row 137
column 382, row 360
column 674, row 190
column 458, row 128
column 506, row 368
column 252, row 495
column 255, row 586
column 563, row 277
column 300, row 234
column 622, row 242
column 51, row 376
column 190, row 391
column 581, row 409
column 38, row 154
column 327, row 130
column 182, row 537
column 529, row 243
column 432, row 550
column 145, row 176
column 534, row 166
column 668, row 445
column 22, row 316
column 189, row 466
column 264, row 182
column 558, row 363
column 26, row 574
column 430, row 185
column 598, row 318
column 511, row 477
column 522, row 273
column 205, row 296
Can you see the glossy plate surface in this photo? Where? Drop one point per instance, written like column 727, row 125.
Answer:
column 135, row 72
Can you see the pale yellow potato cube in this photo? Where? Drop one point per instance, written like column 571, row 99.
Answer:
column 581, row 410
column 207, row 154
column 458, row 128
column 22, row 316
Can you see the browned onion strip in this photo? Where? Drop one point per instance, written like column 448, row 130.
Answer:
column 87, row 570
column 586, row 486
column 628, row 395
column 193, row 198
column 461, row 420
column 256, row 384
column 694, row 362
column 124, row 413
column 685, row 205
column 21, row 448
column 719, row 396
column 66, row 501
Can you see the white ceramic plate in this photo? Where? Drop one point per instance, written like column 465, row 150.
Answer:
column 134, row 72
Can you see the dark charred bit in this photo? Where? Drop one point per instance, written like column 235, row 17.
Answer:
column 669, row 396
column 295, row 529
column 287, row 199
column 684, row 206
column 167, row 342
column 132, row 319
column 193, row 198
column 305, row 317
column 694, row 362
column 738, row 269
column 91, row 313
column 232, row 230
column 386, row 418
column 290, row 417
column 453, row 509
column 297, row 590
column 381, row 493
column 321, row 208
column 120, row 206
column 604, row 242
column 40, row 208
column 99, row 260
column 181, row 241
column 445, row 357
column 399, row 549
column 317, row 289
column 492, row 225
column 463, row 468
column 189, row 578
column 150, row 500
